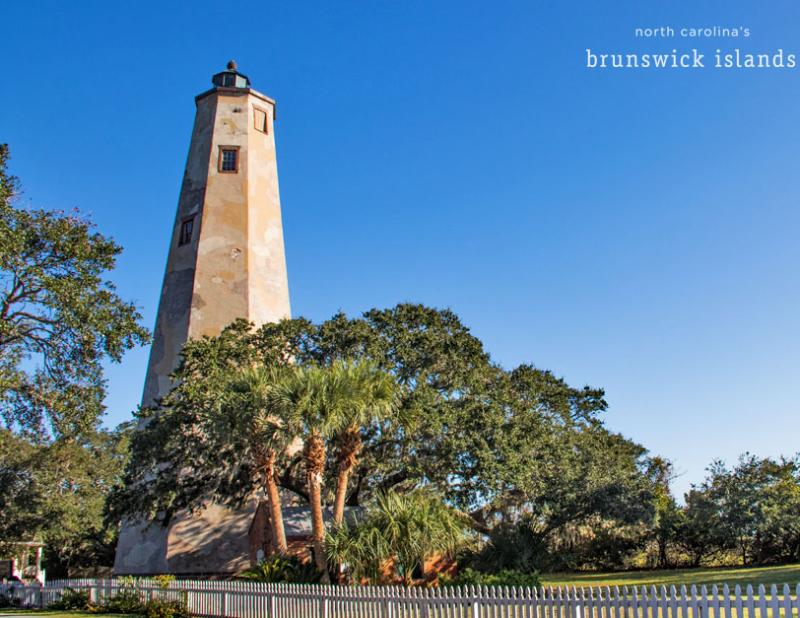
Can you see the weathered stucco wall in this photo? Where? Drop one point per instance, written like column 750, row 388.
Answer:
column 234, row 267
column 269, row 285
column 172, row 321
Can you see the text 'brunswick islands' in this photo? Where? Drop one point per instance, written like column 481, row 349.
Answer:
column 692, row 59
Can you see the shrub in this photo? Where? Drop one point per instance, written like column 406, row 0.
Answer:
column 516, row 547
column 71, row 599
column 399, row 529
column 164, row 581
column 126, row 601
column 8, row 601
column 158, row 608
column 283, row 569
column 505, row 577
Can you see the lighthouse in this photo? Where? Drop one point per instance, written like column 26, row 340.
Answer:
column 226, row 261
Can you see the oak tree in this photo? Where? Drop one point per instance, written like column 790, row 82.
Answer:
column 60, row 317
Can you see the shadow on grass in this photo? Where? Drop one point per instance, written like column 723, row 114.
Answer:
column 785, row 574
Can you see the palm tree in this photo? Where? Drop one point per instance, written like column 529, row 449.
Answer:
column 271, row 435
column 374, row 395
column 325, row 401
column 313, row 397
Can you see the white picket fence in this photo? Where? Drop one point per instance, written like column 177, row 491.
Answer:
column 234, row 599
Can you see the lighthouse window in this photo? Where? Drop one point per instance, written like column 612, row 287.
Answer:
column 185, row 236
column 260, row 119
column 228, row 159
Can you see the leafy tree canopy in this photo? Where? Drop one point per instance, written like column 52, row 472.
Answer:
column 56, row 493
column 495, row 443
column 752, row 509
column 59, row 317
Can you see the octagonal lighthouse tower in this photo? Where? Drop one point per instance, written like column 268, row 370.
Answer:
column 226, row 261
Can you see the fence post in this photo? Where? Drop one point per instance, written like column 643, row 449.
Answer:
column 271, row 605
column 424, row 603
column 224, row 605
column 324, row 607
column 476, row 604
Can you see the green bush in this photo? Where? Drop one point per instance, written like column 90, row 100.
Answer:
column 283, row 569
column 505, row 577
column 516, row 547
column 158, row 608
column 125, row 601
column 8, row 601
column 71, row 599
column 164, row 581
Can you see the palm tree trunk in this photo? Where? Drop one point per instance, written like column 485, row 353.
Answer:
column 350, row 448
column 315, row 466
column 275, row 510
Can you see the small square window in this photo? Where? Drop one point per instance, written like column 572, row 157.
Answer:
column 185, row 236
column 228, row 159
column 260, row 119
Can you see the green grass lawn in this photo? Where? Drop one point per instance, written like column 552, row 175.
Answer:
column 787, row 574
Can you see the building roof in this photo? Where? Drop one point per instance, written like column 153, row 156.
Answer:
column 231, row 78
column 297, row 519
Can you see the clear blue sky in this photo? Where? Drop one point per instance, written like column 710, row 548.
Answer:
column 631, row 230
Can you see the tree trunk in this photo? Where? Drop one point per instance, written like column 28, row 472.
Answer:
column 350, row 448
column 662, row 553
column 275, row 510
column 315, row 466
